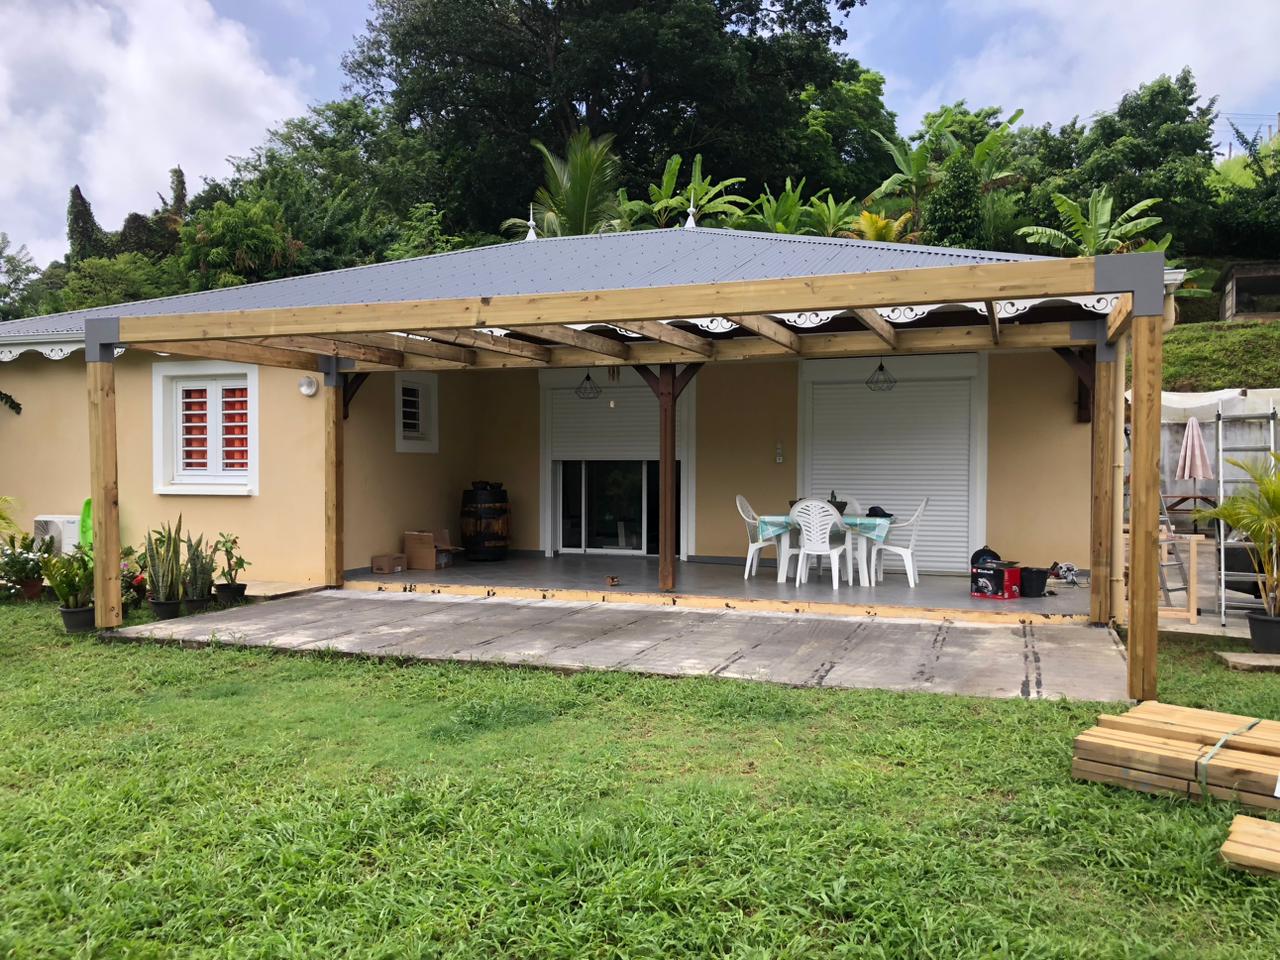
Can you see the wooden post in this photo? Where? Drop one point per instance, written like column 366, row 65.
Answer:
column 104, row 488
column 1144, row 506
column 333, row 481
column 667, row 476
column 1100, row 546
column 1119, row 609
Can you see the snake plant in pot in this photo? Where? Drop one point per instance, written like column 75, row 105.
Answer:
column 1255, row 514
column 198, row 574
column 164, row 570
column 71, row 577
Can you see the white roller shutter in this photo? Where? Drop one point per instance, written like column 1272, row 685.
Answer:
column 893, row 449
column 620, row 424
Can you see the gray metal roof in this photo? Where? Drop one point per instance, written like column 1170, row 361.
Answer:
column 641, row 258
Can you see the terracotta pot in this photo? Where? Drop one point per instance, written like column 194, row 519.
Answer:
column 197, row 604
column 77, row 619
column 166, row 609
column 32, row 589
column 229, row 593
column 1264, row 633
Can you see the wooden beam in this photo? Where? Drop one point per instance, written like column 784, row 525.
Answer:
column 325, row 347
column 1119, row 609
column 583, row 339
column 481, row 340
column 993, row 319
column 1102, row 445
column 1082, row 366
column 411, row 346
column 685, row 377
column 856, row 343
column 1120, row 317
column 351, row 384
column 770, row 329
column 1018, row 280
column 235, row 352
column 673, row 336
column 1144, row 507
column 104, row 488
column 878, row 325
column 333, row 486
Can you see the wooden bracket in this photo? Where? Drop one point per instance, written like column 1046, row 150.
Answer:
column 1082, row 364
column 351, row 384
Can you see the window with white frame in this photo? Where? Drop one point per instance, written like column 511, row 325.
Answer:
column 417, row 420
column 205, row 428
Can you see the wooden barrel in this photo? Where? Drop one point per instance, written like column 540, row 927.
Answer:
column 486, row 521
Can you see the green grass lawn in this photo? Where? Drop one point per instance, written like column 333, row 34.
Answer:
column 191, row 803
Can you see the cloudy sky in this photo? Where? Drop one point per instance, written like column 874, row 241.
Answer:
column 111, row 93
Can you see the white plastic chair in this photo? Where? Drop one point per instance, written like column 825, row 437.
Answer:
column 906, row 553
column 754, row 543
column 817, row 520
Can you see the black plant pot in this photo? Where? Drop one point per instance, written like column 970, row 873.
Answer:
column 229, row 593
column 1264, row 633
column 166, row 609
column 77, row 619
column 197, row 604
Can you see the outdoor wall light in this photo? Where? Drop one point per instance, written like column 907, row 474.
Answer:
column 307, row 386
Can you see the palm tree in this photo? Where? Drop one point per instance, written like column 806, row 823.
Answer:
column 580, row 195
column 871, row 226
column 711, row 201
column 988, row 157
column 827, row 218
column 1093, row 232
column 917, row 173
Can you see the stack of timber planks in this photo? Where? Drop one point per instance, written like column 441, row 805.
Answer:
column 1253, row 845
column 1165, row 749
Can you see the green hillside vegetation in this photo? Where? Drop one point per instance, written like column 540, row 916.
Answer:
column 1221, row 356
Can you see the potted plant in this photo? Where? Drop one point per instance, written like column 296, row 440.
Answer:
column 20, row 559
column 71, row 577
column 133, row 576
column 233, row 564
column 1255, row 513
column 198, row 574
column 164, row 570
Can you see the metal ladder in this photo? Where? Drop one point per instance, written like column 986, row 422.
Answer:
column 1224, row 490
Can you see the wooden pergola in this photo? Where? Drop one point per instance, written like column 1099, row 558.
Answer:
column 454, row 333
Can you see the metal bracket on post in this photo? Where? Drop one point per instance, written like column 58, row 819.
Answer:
column 333, row 369
column 101, row 334
column 1106, row 351
column 1139, row 273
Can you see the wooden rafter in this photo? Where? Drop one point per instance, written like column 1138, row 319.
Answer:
column 878, row 325
column 235, row 352
column 770, row 329
column 993, row 318
column 1120, row 317
column 413, row 346
column 325, row 347
column 1018, row 280
column 481, row 340
column 665, row 333
column 583, row 339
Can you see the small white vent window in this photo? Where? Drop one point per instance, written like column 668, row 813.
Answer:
column 417, row 421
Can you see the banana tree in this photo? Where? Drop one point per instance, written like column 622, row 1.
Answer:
column 916, row 173
column 826, row 218
column 580, row 195
column 1092, row 231
column 785, row 213
column 711, row 200
column 988, row 160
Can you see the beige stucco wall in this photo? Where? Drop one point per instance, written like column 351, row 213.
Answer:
column 743, row 412
column 44, row 463
column 1038, row 483
column 44, row 451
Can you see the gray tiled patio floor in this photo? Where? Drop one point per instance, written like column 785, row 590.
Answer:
column 1044, row 660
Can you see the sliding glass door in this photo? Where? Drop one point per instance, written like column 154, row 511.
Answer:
column 609, row 506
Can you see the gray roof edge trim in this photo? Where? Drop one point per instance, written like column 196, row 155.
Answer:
column 101, row 334
column 1141, row 274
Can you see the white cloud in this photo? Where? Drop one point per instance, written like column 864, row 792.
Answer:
column 112, row 93
column 1059, row 60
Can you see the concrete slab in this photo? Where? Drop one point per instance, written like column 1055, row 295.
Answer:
column 999, row 660
column 1252, row 662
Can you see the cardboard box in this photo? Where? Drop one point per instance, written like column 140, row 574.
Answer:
column 388, row 563
column 429, row 550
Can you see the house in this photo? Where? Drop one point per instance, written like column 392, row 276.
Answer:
column 321, row 416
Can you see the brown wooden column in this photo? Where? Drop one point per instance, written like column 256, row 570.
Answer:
column 1144, row 506
column 104, row 488
column 1102, row 485
column 333, row 480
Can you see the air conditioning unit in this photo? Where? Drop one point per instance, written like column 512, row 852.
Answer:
column 65, row 531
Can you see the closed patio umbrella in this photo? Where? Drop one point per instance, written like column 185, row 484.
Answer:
column 1193, row 458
